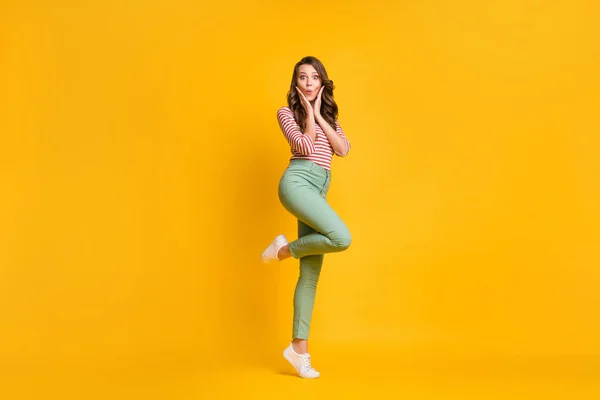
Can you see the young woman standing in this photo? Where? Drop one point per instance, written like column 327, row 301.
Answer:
column 309, row 124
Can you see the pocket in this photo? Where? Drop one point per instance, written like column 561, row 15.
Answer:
column 326, row 187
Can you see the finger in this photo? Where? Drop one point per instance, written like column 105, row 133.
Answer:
column 305, row 100
column 319, row 95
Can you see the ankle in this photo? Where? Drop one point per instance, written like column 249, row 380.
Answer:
column 283, row 252
column 300, row 346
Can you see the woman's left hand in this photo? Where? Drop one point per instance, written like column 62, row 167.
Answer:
column 317, row 105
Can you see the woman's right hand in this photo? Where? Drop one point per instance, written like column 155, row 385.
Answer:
column 305, row 103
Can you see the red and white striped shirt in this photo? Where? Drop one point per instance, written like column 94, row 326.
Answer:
column 320, row 152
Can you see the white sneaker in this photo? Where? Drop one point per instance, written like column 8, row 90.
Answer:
column 270, row 254
column 301, row 362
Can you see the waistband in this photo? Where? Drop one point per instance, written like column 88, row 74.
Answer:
column 308, row 165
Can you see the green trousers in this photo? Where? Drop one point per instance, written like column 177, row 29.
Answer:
column 302, row 191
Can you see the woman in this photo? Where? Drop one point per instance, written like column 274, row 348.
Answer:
column 310, row 125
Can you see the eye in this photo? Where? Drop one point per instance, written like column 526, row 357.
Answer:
column 316, row 78
column 302, row 77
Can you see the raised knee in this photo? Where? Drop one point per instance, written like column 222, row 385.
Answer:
column 343, row 240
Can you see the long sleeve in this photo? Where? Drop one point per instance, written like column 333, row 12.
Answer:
column 339, row 130
column 299, row 142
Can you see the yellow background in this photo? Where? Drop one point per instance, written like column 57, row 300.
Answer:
column 140, row 157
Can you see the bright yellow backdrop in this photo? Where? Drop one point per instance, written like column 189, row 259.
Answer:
column 140, row 157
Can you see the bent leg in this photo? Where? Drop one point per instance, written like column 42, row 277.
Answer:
column 331, row 234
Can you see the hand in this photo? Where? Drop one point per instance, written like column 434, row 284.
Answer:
column 305, row 103
column 317, row 106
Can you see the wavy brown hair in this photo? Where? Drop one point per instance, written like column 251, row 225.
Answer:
column 329, row 109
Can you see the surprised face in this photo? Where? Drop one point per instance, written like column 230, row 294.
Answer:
column 308, row 81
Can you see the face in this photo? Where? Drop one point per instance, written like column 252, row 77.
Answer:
column 308, row 81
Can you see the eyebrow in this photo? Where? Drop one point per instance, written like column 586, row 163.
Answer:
column 304, row 73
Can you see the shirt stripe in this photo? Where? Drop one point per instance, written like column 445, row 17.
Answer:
column 302, row 146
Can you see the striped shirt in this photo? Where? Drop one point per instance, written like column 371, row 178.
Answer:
column 301, row 145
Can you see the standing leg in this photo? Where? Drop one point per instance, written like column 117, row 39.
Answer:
column 306, row 287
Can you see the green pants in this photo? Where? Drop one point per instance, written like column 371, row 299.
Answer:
column 302, row 191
